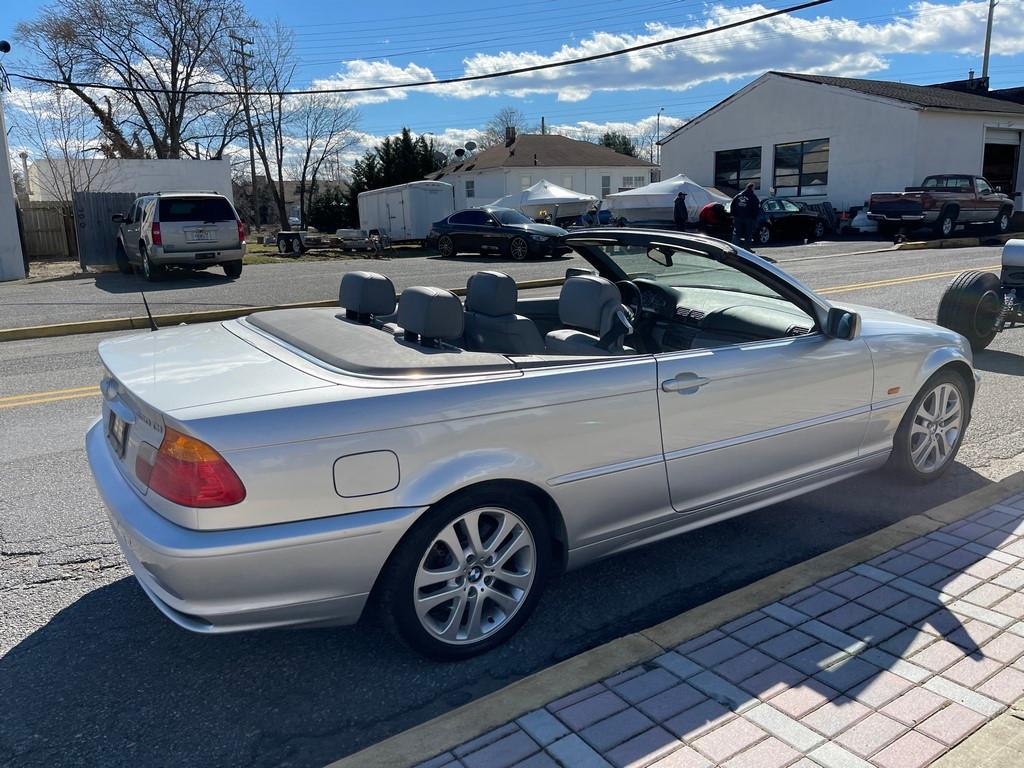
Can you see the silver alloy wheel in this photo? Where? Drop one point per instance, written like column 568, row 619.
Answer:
column 519, row 249
column 1003, row 222
column 936, row 428
column 764, row 234
column 475, row 575
column 446, row 246
column 947, row 225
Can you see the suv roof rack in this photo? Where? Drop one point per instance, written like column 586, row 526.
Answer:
column 181, row 192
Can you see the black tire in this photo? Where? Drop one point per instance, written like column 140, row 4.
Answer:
column 283, row 247
column 818, row 230
column 900, row 462
column 121, row 258
column 763, row 234
column 970, row 306
column 233, row 269
column 296, row 246
column 518, row 249
column 1002, row 222
column 946, row 224
column 152, row 271
column 396, row 587
column 446, row 246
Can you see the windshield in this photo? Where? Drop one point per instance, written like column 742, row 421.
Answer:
column 195, row 209
column 511, row 217
column 687, row 270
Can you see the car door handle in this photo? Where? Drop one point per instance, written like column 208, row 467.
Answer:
column 684, row 383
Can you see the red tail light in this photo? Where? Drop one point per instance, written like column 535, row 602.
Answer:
column 241, row 232
column 155, row 231
column 189, row 472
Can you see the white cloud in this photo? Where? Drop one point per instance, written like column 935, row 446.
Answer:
column 823, row 44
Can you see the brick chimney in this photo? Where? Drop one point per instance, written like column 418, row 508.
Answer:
column 510, row 135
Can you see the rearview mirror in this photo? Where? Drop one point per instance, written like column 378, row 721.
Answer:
column 842, row 324
column 660, row 255
column 117, row 218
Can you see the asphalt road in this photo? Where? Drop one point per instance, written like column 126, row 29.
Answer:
column 91, row 673
column 111, row 294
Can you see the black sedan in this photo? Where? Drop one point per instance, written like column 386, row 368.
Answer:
column 496, row 230
column 780, row 219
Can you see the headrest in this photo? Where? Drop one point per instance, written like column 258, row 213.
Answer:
column 589, row 302
column 366, row 293
column 431, row 313
column 575, row 271
column 491, row 293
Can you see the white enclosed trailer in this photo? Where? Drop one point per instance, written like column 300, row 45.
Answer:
column 406, row 211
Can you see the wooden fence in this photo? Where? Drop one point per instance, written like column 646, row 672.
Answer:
column 96, row 233
column 48, row 230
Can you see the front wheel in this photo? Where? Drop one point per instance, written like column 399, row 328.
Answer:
column 932, row 430
column 468, row 574
column 763, row 235
column 970, row 306
column 518, row 249
column 818, row 230
column 123, row 265
column 1002, row 222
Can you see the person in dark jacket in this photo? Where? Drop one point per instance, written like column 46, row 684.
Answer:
column 679, row 214
column 746, row 208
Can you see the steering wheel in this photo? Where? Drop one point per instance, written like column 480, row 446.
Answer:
column 632, row 298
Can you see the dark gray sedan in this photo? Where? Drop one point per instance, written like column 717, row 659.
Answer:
column 502, row 231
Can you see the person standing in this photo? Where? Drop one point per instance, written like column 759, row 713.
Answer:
column 746, row 209
column 679, row 213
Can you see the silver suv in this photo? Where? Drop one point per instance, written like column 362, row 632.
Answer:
column 185, row 229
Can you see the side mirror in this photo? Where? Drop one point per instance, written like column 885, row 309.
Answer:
column 842, row 324
column 999, row 188
column 118, row 218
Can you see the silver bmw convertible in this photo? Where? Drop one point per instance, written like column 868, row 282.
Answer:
column 439, row 460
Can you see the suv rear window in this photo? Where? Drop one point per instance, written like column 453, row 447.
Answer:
column 196, row 209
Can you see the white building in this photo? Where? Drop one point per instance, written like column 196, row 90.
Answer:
column 524, row 160
column 817, row 138
column 54, row 180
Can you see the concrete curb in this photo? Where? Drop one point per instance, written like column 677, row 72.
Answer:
column 141, row 322
column 958, row 242
column 478, row 717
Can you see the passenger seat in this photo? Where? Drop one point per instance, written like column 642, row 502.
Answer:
column 492, row 324
column 592, row 306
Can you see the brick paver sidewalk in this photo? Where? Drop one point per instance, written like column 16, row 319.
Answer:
column 890, row 663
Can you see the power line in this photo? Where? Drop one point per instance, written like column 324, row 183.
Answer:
column 454, row 80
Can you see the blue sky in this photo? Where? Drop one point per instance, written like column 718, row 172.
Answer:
column 349, row 43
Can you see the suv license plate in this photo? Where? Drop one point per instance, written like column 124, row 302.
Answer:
column 117, row 432
column 200, row 236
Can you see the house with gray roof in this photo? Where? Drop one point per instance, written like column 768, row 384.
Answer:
column 524, row 159
column 817, row 138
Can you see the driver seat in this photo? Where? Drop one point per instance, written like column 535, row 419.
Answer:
column 593, row 306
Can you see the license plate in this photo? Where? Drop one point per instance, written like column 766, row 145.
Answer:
column 200, row 236
column 117, row 433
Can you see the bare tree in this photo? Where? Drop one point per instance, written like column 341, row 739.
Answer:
column 323, row 125
column 505, row 118
column 162, row 53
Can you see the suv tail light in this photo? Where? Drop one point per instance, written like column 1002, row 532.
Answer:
column 189, row 472
column 241, row 232
column 155, row 232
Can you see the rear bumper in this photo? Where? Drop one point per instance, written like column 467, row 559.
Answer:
column 308, row 572
column 198, row 256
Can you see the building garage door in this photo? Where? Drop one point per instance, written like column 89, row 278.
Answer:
column 1002, row 161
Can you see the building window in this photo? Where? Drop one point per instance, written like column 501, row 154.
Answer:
column 606, row 186
column 470, row 188
column 735, row 168
column 525, row 182
column 801, row 168
column 567, row 182
column 632, row 182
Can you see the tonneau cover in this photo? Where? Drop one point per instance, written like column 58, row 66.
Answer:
column 326, row 335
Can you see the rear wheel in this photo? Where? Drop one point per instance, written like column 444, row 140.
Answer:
column 445, row 246
column 518, row 249
column 233, row 269
column 152, row 271
column 946, row 224
column 468, row 574
column 282, row 246
column 970, row 306
column 296, row 246
column 932, row 430
column 763, row 234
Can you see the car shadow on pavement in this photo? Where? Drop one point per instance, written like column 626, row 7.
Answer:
column 115, row 282
column 496, row 259
column 108, row 680
column 998, row 361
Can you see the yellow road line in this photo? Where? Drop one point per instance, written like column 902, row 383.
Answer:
column 33, row 395
column 898, row 280
column 37, row 401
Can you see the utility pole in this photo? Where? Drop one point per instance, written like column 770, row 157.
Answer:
column 988, row 38
column 244, row 63
column 658, row 143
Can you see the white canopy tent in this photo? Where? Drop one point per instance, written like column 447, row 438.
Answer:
column 655, row 201
column 545, row 196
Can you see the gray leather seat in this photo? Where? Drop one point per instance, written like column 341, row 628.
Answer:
column 430, row 316
column 593, row 306
column 492, row 324
column 366, row 296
